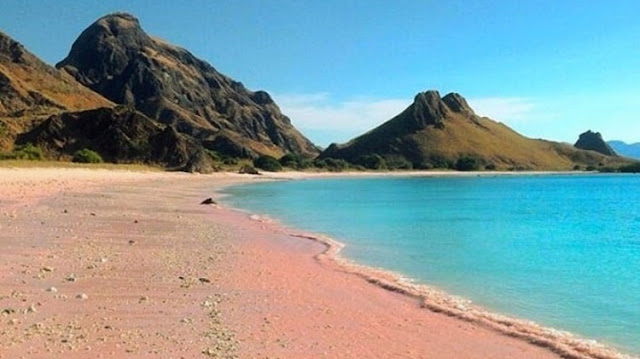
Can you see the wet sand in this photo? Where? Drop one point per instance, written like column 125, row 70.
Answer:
column 114, row 264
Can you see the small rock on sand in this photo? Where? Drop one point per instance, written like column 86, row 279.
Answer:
column 82, row 296
column 52, row 289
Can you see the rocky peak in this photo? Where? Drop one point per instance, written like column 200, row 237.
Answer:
column 428, row 109
column 10, row 49
column 457, row 103
column 593, row 141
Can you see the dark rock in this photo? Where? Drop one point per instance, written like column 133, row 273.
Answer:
column 208, row 201
column 246, row 169
column 593, row 141
column 119, row 135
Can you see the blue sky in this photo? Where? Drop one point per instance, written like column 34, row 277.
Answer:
column 549, row 69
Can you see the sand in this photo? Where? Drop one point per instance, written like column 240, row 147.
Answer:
column 114, row 264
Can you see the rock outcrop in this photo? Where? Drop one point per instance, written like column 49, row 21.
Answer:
column 593, row 141
column 117, row 59
column 119, row 135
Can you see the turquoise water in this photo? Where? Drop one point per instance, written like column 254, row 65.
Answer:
column 563, row 251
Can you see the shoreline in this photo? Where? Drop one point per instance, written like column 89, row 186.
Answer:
column 149, row 229
column 564, row 343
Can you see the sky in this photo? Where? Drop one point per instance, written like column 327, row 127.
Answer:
column 337, row 68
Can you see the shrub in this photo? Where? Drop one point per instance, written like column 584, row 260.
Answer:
column 27, row 152
column 632, row 168
column 398, row 163
column 439, row 161
column 372, row 162
column 289, row 160
column 267, row 163
column 490, row 167
column 467, row 163
column 86, row 155
column 331, row 164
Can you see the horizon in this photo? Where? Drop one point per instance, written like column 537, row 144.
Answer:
column 547, row 70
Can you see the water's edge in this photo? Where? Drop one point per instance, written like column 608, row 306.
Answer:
column 564, row 343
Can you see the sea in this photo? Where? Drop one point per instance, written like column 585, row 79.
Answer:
column 560, row 250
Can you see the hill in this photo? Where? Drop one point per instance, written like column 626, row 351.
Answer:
column 593, row 141
column 444, row 132
column 624, row 149
column 31, row 90
column 117, row 59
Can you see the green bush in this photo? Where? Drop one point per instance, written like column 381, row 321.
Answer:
column 632, row 168
column 27, row 152
column 467, row 163
column 398, row 163
column 289, row 160
column 331, row 164
column 267, row 163
column 86, row 155
column 372, row 162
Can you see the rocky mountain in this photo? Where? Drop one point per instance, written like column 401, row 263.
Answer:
column 624, row 149
column 593, row 141
column 31, row 90
column 445, row 132
column 116, row 58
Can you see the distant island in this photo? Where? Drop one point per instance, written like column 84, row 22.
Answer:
column 628, row 150
column 123, row 96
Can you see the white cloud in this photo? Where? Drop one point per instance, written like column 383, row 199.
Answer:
column 319, row 112
column 505, row 109
column 325, row 120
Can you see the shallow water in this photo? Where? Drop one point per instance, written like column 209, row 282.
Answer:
column 563, row 251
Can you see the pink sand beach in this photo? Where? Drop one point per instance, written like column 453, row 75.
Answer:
column 117, row 264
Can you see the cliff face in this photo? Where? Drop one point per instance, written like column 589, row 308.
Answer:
column 593, row 141
column 117, row 59
column 445, row 132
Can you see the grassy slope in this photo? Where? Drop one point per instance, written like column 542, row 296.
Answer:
column 483, row 138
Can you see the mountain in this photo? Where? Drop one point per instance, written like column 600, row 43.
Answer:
column 445, row 132
column 593, row 141
column 31, row 90
column 627, row 150
column 117, row 59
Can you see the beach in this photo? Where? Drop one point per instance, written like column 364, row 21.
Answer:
column 112, row 264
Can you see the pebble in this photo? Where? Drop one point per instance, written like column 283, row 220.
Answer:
column 82, row 296
column 47, row 269
column 52, row 289
column 70, row 278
